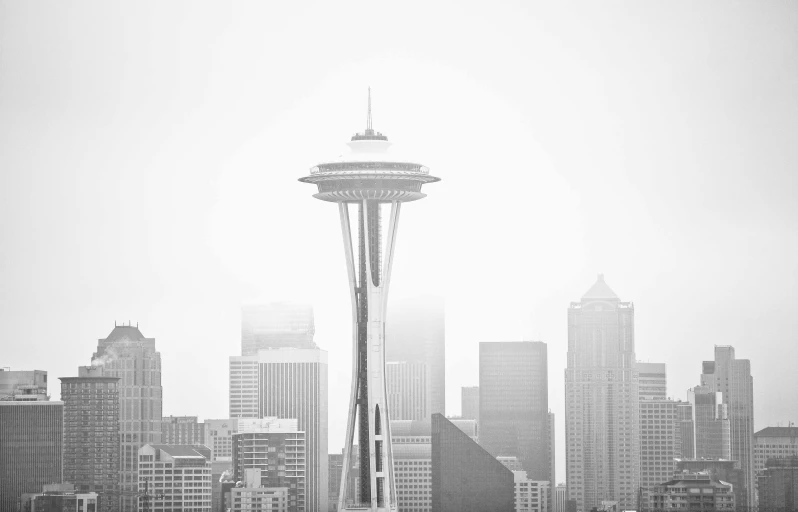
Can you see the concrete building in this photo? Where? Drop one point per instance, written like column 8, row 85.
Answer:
column 253, row 496
column 514, row 404
column 732, row 377
column 602, row 434
column 469, row 403
column 31, row 446
column 530, row 495
column 276, row 325
column 174, row 477
column 289, row 383
column 465, row 477
column 684, row 415
column 660, row 441
column 131, row 357
column 652, row 381
column 23, row 385
column 560, row 498
column 59, row 498
column 711, row 423
column 278, row 450
column 778, row 484
column 697, row 492
column 182, row 430
column 219, row 437
column 91, row 434
column 407, row 390
column 774, row 443
column 416, row 333
column 725, row 470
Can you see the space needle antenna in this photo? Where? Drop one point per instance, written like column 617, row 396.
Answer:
column 368, row 119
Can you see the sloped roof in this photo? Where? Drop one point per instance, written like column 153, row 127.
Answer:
column 778, row 432
column 181, row 450
column 600, row 290
column 125, row 332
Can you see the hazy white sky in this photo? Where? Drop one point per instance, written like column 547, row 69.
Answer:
column 149, row 153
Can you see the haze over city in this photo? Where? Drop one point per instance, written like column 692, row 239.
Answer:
column 149, row 157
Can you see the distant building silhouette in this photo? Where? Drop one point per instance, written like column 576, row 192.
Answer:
column 653, row 380
column 407, row 390
column 602, row 434
column 712, row 426
column 465, row 477
column 469, row 403
column 276, row 325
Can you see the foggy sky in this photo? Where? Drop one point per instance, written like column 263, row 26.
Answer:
column 149, row 154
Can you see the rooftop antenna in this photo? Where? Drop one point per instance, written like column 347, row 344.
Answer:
column 368, row 120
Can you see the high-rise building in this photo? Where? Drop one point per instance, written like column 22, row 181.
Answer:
column 774, row 443
column 289, row 383
column 412, row 461
column 684, row 415
column 416, row 333
column 407, row 390
column 778, row 484
column 131, row 357
column 560, row 498
column 276, row 449
column 711, row 421
column 188, row 489
column 335, row 465
column 182, row 430
column 469, row 403
column 530, row 495
column 652, row 381
column 276, row 325
column 552, row 448
column 23, row 385
column 602, row 434
column 376, row 183
column 465, row 477
column 219, row 436
column 732, row 377
column 31, row 444
column 660, row 442
column 91, row 434
column 697, row 492
column 514, row 405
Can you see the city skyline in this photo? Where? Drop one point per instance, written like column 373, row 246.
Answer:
column 159, row 188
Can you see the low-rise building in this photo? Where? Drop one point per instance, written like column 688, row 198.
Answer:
column 250, row 495
column 175, row 477
column 693, row 492
column 530, row 495
column 59, row 498
column 778, row 483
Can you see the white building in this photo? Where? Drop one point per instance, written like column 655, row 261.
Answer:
column 175, row 477
column 530, row 495
column 255, row 497
column 560, row 498
column 219, row 438
column 407, row 390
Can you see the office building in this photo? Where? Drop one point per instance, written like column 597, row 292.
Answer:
column 697, row 492
column 416, row 333
column 31, row 445
column 289, row 383
column 732, row 378
column 91, row 434
column 660, row 442
column 131, row 357
column 652, row 381
column 219, row 437
column 335, row 467
column 727, row 471
column 530, row 495
column 552, row 452
column 465, row 477
column 778, row 484
column 59, row 497
column 602, row 434
column 712, row 426
column 513, row 404
column 253, row 496
column 560, row 498
column 469, row 403
column 684, row 415
column 21, row 385
column 277, row 449
column 276, row 325
column 774, row 443
column 182, row 430
column 407, row 390
column 188, row 489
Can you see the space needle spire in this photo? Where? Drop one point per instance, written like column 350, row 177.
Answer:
column 368, row 184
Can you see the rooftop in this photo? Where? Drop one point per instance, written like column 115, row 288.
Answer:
column 600, row 290
column 778, row 432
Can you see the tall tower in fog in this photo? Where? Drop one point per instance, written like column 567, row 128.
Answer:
column 276, row 325
column 601, row 401
column 368, row 184
column 131, row 357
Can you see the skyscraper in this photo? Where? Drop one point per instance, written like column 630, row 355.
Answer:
column 377, row 184
column 91, row 434
column 31, row 444
column 469, row 403
column 289, row 383
column 131, row 357
column 602, row 401
column 465, row 477
column 660, row 441
column 732, row 377
column 514, row 404
column 711, row 421
column 276, row 325
column 407, row 390
column 416, row 333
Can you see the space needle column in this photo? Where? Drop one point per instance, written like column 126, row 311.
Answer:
column 368, row 185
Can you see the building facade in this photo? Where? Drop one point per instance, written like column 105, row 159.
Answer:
column 131, row 357
column 174, row 477
column 732, row 377
column 469, row 403
column 712, row 426
column 182, row 430
column 91, row 435
column 277, row 450
column 560, row 498
column 407, row 390
column 289, row 383
column 513, row 403
column 23, row 385
column 415, row 332
column 276, row 325
column 219, row 437
column 602, row 434
column 464, row 476
column 778, row 484
column 697, row 492
column 727, row 471
column 530, row 495
column 774, row 443
column 652, row 380
column 253, row 496
column 31, row 445
column 59, row 498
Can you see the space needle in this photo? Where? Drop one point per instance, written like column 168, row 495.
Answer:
column 374, row 184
